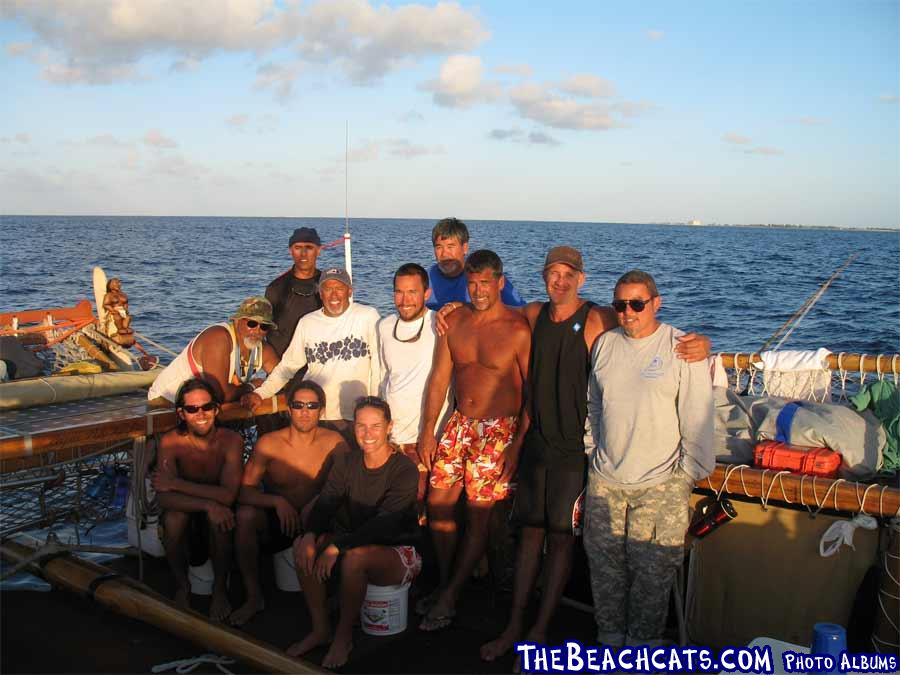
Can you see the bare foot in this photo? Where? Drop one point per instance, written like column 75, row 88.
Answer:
column 497, row 648
column 247, row 611
column 338, row 653
column 219, row 607
column 181, row 597
column 308, row 643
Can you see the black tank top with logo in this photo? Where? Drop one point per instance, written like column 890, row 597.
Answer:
column 558, row 374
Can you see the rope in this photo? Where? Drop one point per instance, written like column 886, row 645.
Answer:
column 801, row 313
column 188, row 665
column 155, row 344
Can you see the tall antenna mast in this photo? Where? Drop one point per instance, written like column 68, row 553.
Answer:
column 348, row 258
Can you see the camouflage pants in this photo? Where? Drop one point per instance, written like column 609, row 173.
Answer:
column 634, row 541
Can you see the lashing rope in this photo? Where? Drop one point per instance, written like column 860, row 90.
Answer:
column 183, row 666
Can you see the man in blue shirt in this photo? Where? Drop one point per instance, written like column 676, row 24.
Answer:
column 450, row 238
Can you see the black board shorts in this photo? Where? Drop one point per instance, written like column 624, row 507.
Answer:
column 548, row 495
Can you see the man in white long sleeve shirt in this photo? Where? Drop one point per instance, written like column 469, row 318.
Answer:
column 650, row 437
column 338, row 344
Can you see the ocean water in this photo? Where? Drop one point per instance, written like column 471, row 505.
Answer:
column 737, row 285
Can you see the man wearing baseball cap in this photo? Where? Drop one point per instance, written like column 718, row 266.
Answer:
column 553, row 465
column 295, row 293
column 338, row 345
column 228, row 355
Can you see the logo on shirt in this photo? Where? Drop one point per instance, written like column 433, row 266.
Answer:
column 654, row 370
column 576, row 327
column 340, row 350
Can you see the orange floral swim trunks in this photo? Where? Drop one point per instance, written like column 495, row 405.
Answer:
column 469, row 451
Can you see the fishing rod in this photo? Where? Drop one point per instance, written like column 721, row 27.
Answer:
column 798, row 316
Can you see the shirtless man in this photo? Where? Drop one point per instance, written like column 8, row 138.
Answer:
column 552, row 469
column 228, row 355
column 292, row 463
column 197, row 478
column 486, row 350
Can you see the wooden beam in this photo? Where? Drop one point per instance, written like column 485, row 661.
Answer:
column 789, row 488
column 871, row 363
column 137, row 601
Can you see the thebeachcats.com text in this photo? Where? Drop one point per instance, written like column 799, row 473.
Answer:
column 573, row 657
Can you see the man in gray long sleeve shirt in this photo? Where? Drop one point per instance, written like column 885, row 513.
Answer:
column 650, row 437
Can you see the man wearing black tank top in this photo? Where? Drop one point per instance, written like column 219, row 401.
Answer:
column 552, row 467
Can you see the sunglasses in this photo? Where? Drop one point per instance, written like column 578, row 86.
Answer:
column 253, row 323
column 194, row 409
column 309, row 405
column 636, row 305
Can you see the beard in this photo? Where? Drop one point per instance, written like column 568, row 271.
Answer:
column 252, row 343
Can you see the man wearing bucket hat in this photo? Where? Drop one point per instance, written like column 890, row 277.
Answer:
column 339, row 346
column 295, row 293
column 228, row 355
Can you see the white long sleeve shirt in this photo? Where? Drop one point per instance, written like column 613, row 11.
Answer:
column 341, row 353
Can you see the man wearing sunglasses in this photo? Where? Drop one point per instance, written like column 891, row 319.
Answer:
column 197, row 477
column 650, row 437
column 229, row 355
column 553, row 465
column 406, row 345
column 339, row 346
column 295, row 293
column 284, row 474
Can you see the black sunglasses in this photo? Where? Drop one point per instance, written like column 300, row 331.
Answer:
column 194, row 409
column 253, row 323
column 309, row 405
column 636, row 305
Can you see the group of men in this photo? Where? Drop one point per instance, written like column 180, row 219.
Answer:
column 560, row 395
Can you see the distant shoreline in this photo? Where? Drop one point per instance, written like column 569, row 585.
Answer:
column 780, row 226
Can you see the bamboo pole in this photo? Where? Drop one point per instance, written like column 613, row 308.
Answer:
column 137, row 601
column 840, row 495
column 111, row 431
column 871, row 363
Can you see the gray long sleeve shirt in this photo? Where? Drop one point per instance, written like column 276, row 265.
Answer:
column 648, row 411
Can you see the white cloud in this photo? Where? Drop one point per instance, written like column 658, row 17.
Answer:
column 237, row 122
column 401, row 147
column 587, row 85
column 155, row 138
column 810, row 121
column 764, row 150
column 412, row 116
column 517, row 69
column 22, row 137
column 889, row 98
column 279, row 78
column 737, row 139
column 107, row 140
column 176, row 166
column 540, row 138
column 185, row 65
column 460, row 84
column 655, row 34
column 506, row 134
column 100, row 42
column 18, row 48
column 536, row 103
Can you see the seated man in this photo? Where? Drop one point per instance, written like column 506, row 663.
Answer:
column 376, row 487
column 197, row 478
column 228, row 355
column 291, row 464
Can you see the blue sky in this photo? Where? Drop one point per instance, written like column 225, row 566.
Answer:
column 737, row 112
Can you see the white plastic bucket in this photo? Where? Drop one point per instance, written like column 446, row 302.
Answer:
column 286, row 570
column 384, row 609
column 201, row 578
column 150, row 542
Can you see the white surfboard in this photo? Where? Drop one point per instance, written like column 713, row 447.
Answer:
column 99, row 293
